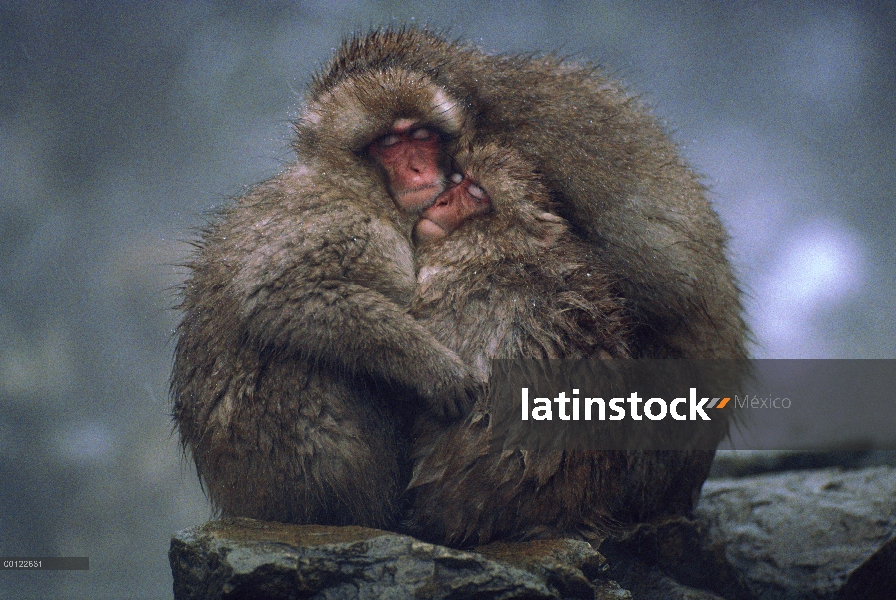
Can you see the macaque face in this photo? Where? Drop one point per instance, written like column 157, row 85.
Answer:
column 463, row 201
column 412, row 158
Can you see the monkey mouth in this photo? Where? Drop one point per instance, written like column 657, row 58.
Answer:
column 420, row 198
column 429, row 186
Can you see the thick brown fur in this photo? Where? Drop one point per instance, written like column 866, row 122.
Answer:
column 297, row 364
column 620, row 183
column 615, row 174
column 514, row 283
column 296, row 355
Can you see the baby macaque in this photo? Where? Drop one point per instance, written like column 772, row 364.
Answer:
column 501, row 276
column 451, row 209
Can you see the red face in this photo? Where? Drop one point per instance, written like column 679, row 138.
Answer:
column 411, row 156
column 452, row 208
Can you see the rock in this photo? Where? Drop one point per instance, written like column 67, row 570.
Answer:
column 672, row 559
column 808, row 534
column 820, row 534
column 243, row 558
column 569, row 566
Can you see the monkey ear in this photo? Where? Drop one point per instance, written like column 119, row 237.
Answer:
column 452, row 119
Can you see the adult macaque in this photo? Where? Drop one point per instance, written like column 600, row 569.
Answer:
column 608, row 164
column 501, row 276
column 618, row 180
column 297, row 358
column 297, row 364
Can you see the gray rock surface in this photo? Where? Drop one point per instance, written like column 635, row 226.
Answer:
column 814, row 534
column 672, row 559
column 826, row 533
column 242, row 558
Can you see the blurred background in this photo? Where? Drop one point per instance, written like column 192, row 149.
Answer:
column 121, row 125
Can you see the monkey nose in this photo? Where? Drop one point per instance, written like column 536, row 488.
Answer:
column 420, row 174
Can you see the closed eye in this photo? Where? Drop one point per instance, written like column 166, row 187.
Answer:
column 478, row 193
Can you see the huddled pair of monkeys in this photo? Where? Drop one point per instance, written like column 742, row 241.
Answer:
column 448, row 207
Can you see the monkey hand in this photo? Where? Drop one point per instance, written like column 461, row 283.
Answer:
column 452, row 392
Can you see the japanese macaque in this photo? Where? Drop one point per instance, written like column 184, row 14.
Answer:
column 501, row 276
column 610, row 167
column 300, row 367
column 618, row 181
column 297, row 364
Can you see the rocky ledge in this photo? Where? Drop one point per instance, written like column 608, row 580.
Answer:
column 814, row 534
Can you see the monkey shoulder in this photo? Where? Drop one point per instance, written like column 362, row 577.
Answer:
column 300, row 228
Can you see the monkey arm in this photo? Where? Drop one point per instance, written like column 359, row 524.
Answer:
column 362, row 332
column 330, row 283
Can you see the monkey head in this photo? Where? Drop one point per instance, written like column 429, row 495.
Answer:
column 397, row 121
column 463, row 200
column 496, row 203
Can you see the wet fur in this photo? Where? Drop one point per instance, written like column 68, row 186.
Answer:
column 297, row 367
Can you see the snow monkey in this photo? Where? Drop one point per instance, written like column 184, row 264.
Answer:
column 502, row 276
column 307, row 353
column 298, row 366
